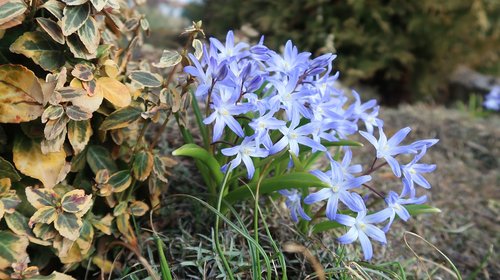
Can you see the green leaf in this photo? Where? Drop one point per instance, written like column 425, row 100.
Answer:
column 76, row 202
column 68, row 225
column 52, row 28
column 74, row 17
column 342, row 143
column 168, row 59
column 120, row 180
column 121, row 118
column 287, row 181
column 55, row 8
column 99, row 158
column 79, row 133
column 146, row 78
column 418, row 209
column 11, row 9
column 41, row 197
column 143, row 165
column 7, row 170
column 197, row 152
column 41, row 49
column 12, row 248
column 89, row 35
column 99, row 4
column 325, row 225
column 44, row 215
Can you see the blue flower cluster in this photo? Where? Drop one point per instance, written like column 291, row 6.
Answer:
column 492, row 99
column 292, row 102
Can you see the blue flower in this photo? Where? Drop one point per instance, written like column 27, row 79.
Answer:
column 293, row 203
column 338, row 190
column 229, row 50
column 362, row 228
column 291, row 60
column 206, row 78
column 347, row 168
column 395, row 207
column 492, row 99
column 387, row 149
column 412, row 173
column 225, row 106
column 243, row 152
column 262, row 125
column 293, row 136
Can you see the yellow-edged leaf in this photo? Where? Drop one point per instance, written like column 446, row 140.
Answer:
column 138, row 208
column 44, row 215
column 21, row 95
column 29, row 160
column 12, row 248
column 143, row 165
column 76, row 201
column 41, row 49
column 114, row 91
column 39, row 198
column 68, row 225
column 79, row 133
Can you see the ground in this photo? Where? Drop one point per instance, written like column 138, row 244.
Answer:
column 464, row 186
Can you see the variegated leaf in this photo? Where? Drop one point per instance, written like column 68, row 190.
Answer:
column 121, row 118
column 120, row 208
column 41, row 49
column 54, row 145
column 111, row 68
column 83, row 72
column 168, row 59
column 159, row 169
column 99, row 4
column 77, row 114
column 86, row 237
column 143, row 165
column 19, row 225
column 146, row 78
column 9, row 201
column 55, row 8
column 78, row 49
column 76, row 201
column 103, row 224
column 44, row 231
column 10, row 9
column 54, row 128
column 79, row 133
column 198, row 48
column 52, row 112
column 22, row 97
column 29, row 160
column 74, row 17
column 39, row 198
column 70, row 93
column 124, row 227
column 68, row 225
column 12, row 248
column 138, row 208
column 120, row 181
column 99, row 158
column 44, row 215
column 89, row 35
column 114, row 91
column 7, row 170
column 89, row 103
column 52, row 28
column 74, row 2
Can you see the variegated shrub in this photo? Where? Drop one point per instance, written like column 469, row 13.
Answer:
column 76, row 111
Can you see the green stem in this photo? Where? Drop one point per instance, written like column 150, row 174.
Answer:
column 216, row 235
column 165, row 269
column 201, row 125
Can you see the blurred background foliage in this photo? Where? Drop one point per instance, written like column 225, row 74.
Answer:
column 406, row 50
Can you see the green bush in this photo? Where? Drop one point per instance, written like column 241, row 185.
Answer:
column 76, row 166
column 407, row 49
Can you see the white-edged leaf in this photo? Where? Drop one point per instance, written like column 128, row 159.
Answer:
column 168, row 59
column 74, row 17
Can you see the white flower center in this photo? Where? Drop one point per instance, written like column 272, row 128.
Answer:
column 335, row 188
column 294, row 135
column 361, row 226
column 224, row 112
column 247, row 151
column 412, row 171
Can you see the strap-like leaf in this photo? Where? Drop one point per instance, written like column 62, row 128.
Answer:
column 197, row 152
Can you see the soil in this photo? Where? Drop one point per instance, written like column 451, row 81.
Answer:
column 465, row 187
